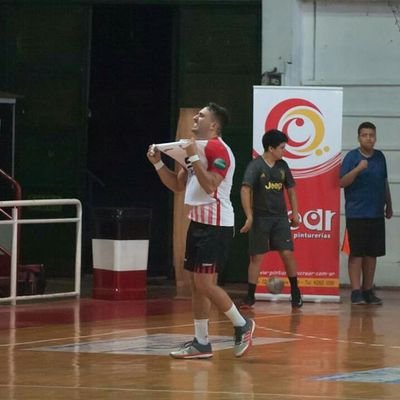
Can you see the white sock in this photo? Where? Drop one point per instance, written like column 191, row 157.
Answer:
column 234, row 315
column 201, row 330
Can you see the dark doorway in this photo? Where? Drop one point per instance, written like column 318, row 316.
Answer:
column 6, row 135
column 6, row 146
column 130, row 104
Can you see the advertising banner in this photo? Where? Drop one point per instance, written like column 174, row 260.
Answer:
column 312, row 119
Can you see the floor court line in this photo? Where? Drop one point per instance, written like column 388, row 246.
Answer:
column 125, row 331
column 269, row 395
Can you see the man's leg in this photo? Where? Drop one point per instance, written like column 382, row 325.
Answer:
column 206, row 284
column 201, row 306
column 200, row 346
column 253, row 273
column 200, row 303
column 254, row 268
column 206, row 288
column 368, row 273
column 355, row 268
column 355, row 271
column 290, row 264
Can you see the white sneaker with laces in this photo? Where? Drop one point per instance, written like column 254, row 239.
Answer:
column 193, row 349
column 244, row 337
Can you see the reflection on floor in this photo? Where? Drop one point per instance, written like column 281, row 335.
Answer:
column 97, row 349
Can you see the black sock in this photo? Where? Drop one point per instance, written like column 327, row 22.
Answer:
column 251, row 290
column 293, row 283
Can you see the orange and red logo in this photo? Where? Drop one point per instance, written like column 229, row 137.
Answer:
column 308, row 151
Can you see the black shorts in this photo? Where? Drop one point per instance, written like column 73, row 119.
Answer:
column 207, row 247
column 268, row 234
column 366, row 237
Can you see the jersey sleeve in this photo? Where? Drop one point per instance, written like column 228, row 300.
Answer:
column 348, row 164
column 384, row 166
column 218, row 158
column 251, row 173
column 289, row 180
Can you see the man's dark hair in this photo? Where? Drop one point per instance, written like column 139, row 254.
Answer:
column 221, row 114
column 273, row 138
column 366, row 125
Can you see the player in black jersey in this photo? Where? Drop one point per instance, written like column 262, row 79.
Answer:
column 262, row 194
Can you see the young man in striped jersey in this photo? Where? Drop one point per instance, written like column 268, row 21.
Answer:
column 207, row 184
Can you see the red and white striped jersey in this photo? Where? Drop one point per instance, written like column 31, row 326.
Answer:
column 215, row 208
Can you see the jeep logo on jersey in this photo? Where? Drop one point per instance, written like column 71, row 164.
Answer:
column 219, row 163
column 274, row 186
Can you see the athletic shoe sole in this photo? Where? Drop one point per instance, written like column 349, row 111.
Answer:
column 246, row 306
column 191, row 356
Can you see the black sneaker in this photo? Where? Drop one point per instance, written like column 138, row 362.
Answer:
column 247, row 303
column 297, row 301
column 370, row 298
column 357, row 297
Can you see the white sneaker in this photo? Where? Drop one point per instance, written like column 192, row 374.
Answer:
column 193, row 349
column 244, row 337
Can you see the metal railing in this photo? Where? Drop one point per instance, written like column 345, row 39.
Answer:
column 15, row 221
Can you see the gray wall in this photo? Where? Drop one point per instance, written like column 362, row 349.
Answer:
column 354, row 45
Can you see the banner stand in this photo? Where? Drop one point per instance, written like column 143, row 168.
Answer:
column 312, row 119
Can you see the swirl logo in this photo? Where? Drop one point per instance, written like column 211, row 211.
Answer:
column 307, row 150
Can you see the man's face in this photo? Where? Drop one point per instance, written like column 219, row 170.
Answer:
column 277, row 152
column 367, row 138
column 204, row 124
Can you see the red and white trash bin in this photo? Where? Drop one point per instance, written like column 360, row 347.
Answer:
column 120, row 253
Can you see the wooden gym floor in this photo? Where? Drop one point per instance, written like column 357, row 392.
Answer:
column 95, row 349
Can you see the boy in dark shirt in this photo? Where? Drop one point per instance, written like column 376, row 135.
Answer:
column 263, row 202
